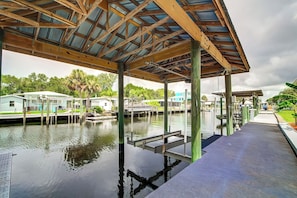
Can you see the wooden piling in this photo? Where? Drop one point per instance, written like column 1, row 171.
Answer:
column 195, row 101
column 121, row 103
column 229, row 105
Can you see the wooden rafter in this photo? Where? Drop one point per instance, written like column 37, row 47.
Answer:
column 72, row 6
column 187, row 8
column 45, row 12
column 173, row 9
column 150, row 44
column 139, row 33
column 93, row 7
column 121, row 22
column 165, row 54
column 19, row 18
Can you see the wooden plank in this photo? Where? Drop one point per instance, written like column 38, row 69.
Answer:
column 19, row 18
column 55, row 51
column 174, row 10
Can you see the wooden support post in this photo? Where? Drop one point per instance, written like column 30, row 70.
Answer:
column 24, row 112
column 221, row 111
column 165, row 109
column 243, row 115
column 47, row 111
column 195, row 101
column 121, row 102
column 1, row 46
column 56, row 115
column 229, row 106
column 186, row 114
column 42, row 109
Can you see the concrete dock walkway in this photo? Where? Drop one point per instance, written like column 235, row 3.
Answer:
column 256, row 161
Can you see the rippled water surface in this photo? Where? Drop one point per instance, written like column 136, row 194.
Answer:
column 84, row 161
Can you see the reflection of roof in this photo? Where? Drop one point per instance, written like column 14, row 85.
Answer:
column 242, row 93
column 151, row 38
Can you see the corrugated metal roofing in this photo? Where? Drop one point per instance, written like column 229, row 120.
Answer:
column 105, row 30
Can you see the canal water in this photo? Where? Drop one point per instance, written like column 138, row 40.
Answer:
column 69, row 160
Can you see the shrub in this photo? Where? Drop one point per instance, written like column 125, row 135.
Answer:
column 98, row 109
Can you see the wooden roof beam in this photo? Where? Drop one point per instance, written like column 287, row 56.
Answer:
column 71, row 6
column 25, row 43
column 45, row 12
column 19, row 18
column 187, row 8
column 165, row 54
column 139, row 33
column 174, row 10
column 92, row 8
column 119, row 23
column 233, row 34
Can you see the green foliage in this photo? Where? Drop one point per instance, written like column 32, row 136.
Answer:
column 154, row 103
column 287, row 115
column 106, row 81
column 204, row 98
column 98, row 109
column 140, row 93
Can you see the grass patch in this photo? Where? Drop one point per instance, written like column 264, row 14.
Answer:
column 287, row 115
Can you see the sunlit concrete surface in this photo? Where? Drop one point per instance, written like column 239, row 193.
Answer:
column 256, row 161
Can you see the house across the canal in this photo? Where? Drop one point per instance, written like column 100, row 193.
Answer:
column 11, row 103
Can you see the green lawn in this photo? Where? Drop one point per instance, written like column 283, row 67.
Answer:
column 287, row 115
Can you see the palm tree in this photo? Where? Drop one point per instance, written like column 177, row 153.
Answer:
column 92, row 85
column 76, row 81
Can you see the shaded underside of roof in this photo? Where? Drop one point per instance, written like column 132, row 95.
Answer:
column 248, row 93
column 151, row 37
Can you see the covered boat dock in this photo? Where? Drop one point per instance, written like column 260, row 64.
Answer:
column 161, row 41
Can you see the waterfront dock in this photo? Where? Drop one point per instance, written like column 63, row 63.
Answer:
column 5, row 174
column 256, row 161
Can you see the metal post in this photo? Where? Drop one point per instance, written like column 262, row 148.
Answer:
column 132, row 116
column 244, row 115
column 195, row 101
column 229, row 111
column 165, row 109
column 121, row 102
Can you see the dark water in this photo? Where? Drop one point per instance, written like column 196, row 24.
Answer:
column 84, row 161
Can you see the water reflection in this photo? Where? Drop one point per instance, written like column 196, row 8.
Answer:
column 97, row 167
column 79, row 155
column 148, row 182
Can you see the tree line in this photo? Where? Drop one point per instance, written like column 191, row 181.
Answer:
column 77, row 84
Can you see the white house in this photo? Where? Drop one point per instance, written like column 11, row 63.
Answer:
column 56, row 100
column 105, row 103
column 11, row 103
